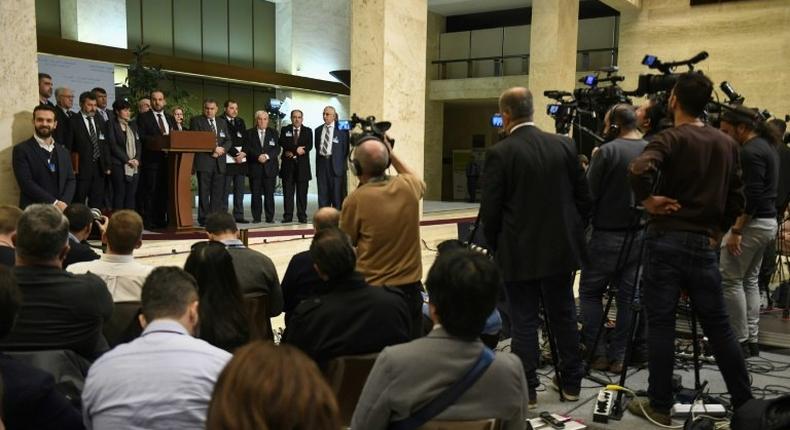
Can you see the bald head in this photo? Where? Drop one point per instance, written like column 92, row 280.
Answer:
column 326, row 217
column 373, row 156
column 516, row 104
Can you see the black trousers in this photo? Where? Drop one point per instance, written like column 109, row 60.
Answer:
column 124, row 188
column 261, row 186
column 90, row 186
column 330, row 187
column 300, row 187
column 211, row 193
column 152, row 195
column 234, row 185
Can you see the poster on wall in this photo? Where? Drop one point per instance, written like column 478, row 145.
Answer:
column 79, row 75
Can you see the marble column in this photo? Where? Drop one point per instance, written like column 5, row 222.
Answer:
column 552, row 53
column 388, row 51
column 19, row 86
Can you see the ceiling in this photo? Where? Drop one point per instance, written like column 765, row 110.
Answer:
column 463, row 7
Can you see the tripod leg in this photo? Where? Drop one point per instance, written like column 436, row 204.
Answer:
column 552, row 345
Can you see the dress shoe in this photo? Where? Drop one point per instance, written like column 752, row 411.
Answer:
column 256, row 220
column 533, row 399
column 303, row 221
column 570, row 394
column 641, row 408
column 616, row 367
column 269, row 221
column 242, row 221
column 286, row 221
column 600, row 363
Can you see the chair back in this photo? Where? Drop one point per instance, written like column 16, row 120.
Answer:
column 68, row 368
column 347, row 376
column 257, row 307
column 488, row 424
column 124, row 325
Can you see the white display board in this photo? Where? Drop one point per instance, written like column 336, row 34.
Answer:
column 79, row 75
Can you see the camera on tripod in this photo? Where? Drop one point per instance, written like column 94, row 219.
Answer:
column 653, row 84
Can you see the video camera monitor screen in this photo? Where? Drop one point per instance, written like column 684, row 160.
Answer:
column 496, row 121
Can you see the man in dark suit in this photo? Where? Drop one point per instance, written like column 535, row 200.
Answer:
column 262, row 152
column 80, row 228
column 296, row 141
column 65, row 99
column 89, row 136
column 59, row 310
column 331, row 160
column 45, row 89
column 536, row 202
column 42, row 168
column 236, row 161
column 210, row 168
column 152, row 191
column 351, row 317
column 101, row 104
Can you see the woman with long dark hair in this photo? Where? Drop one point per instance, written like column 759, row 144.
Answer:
column 125, row 150
column 223, row 321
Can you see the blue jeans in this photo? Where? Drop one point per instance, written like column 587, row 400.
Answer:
column 523, row 298
column 687, row 261
column 598, row 272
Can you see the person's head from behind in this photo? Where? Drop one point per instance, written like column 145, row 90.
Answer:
column 371, row 158
column 516, row 106
column 333, row 255
column 690, row 94
column 9, row 217
column 619, row 121
column 462, row 286
column 170, row 293
column 744, row 123
column 80, row 220
column 10, row 301
column 222, row 314
column 778, row 128
column 326, row 217
column 41, row 237
column 124, row 232
column 221, row 226
column 143, row 105
column 651, row 115
column 272, row 387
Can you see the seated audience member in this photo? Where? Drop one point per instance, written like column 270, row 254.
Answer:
column 117, row 267
column 59, row 310
column 350, row 317
column 164, row 378
column 301, row 280
column 80, row 227
column 463, row 286
column 272, row 387
column 255, row 272
column 29, row 397
column 223, row 320
column 9, row 216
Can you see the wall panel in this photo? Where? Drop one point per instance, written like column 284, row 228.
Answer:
column 48, row 17
column 215, row 31
column 263, row 26
column 187, row 30
column 158, row 26
column 240, row 32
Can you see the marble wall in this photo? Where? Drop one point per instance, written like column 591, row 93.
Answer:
column 100, row 22
column 19, row 86
column 748, row 43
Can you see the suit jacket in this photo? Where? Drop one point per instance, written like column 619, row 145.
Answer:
column 300, row 281
column 339, row 158
column 536, row 203
column 204, row 162
column 32, row 173
column 406, row 377
column 238, row 135
column 118, row 143
column 301, row 163
column 148, row 127
column 32, row 401
column 81, row 143
column 351, row 317
column 60, row 311
column 62, row 133
column 79, row 252
column 254, row 148
column 256, row 274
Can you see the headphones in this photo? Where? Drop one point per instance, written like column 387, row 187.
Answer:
column 614, row 126
column 356, row 166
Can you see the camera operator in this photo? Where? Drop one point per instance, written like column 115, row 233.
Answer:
column 651, row 117
column 616, row 230
column 700, row 194
column 753, row 231
column 535, row 203
column 382, row 218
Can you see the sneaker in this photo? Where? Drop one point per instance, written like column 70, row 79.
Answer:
column 599, row 363
column 533, row 399
column 754, row 349
column 570, row 394
column 641, row 408
column 616, row 367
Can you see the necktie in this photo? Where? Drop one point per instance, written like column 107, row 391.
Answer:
column 213, row 127
column 161, row 123
column 296, row 141
column 325, row 141
column 260, row 137
column 94, row 138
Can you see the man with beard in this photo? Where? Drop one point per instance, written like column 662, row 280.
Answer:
column 43, row 169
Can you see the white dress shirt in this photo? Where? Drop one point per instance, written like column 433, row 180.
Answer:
column 161, row 380
column 123, row 275
column 164, row 121
column 47, row 145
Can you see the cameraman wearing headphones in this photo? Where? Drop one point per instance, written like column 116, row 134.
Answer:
column 382, row 218
column 616, row 228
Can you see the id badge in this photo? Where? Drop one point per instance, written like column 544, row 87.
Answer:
column 221, row 134
column 238, row 134
column 51, row 166
column 335, row 140
column 288, row 134
column 271, row 142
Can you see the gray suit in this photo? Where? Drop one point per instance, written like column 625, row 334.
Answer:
column 406, row 377
column 210, row 170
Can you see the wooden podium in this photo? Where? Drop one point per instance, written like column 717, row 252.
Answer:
column 181, row 147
